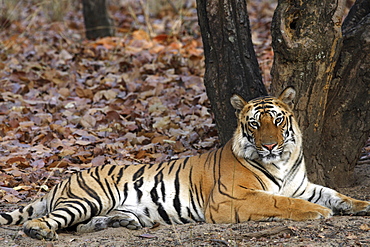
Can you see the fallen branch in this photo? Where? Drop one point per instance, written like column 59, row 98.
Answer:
column 269, row 232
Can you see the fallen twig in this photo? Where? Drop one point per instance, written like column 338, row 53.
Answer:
column 269, row 232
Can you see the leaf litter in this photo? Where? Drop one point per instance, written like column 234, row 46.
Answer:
column 67, row 104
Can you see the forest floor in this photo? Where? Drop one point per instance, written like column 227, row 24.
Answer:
column 67, row 104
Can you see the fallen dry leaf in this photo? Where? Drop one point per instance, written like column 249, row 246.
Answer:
column 365, row 227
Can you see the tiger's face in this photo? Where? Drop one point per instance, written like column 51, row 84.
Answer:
column 266, row 128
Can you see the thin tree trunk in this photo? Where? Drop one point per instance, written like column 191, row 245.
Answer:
column 97, row 21
column 307, row 41
column 231, row 63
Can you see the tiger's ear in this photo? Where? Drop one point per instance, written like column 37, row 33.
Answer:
column 288, row 95
column 237, row 102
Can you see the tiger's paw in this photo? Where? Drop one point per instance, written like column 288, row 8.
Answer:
column 98, row 223
column 361, row 208
column 39, row 230
column 119, row 221
column 350, row 206
column 314, row 212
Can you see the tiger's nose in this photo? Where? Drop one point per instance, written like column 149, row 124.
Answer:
column 269, row 146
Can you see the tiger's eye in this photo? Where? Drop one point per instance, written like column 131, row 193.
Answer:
column 254, row 124
column 278, row 120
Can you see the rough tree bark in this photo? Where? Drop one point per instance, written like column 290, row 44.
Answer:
column 331, row 73
column 96, row 18
column 231, row 63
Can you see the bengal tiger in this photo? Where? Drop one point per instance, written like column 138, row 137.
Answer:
column 258, row 175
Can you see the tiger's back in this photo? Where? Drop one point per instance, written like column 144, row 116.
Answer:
column 258, row 175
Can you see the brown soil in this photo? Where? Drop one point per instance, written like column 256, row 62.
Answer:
column 336, row 231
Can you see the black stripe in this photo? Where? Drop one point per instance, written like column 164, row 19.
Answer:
column 176, row 200
column 120, row 174
column 172, row 165
column 111, row 197
column 159, row 165
column 8, row 218
column 137, row 185
column 95, row 210
column 319, row 197
column 53, row 194
column 237, row 218
column 19, row 221
column 243, row 187
column 125, row 193
column 190, row 215
column 184, row 162
column 190, row 179
column 218, row 179
column 293, row 171
column 69, row 212
column 30, row 211
column 71, row 204
column 260, row 167
column 111, row 170
column 263, row 107
column 263, row 185
column 138, row 174
column 243, row 130
column 304, row 178
column 158, row 178
column 106, row 188
column 199, row 192
column 53, row 216
column 146, row 212
column 163, row 191
column 97, row 171
column 193, row 190
column 194, row 207
column 313, row 195
column 164, row 214
column 47, row 223
column 290, row 123
column 118, row 192
column 211, row 218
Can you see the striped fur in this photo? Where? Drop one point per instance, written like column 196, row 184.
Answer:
column 258, row 175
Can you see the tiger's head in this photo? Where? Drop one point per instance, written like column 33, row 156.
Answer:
column 266, row 129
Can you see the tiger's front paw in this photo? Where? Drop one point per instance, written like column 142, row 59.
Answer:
column 350, row 206
column 312, row 213
column 39, row 230
column 323, row 213
column 361, row 208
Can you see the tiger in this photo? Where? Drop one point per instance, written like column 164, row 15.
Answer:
column 258, row 175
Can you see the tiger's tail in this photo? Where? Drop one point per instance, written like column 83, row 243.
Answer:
column 36, row 209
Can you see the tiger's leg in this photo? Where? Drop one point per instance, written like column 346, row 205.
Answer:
column 340, row 204
column 64, row 215
column 259, row 205
column 115, row 218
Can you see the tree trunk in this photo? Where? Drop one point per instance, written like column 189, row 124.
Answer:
column 231, row 63
column 331, row 75
column 97, row 21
